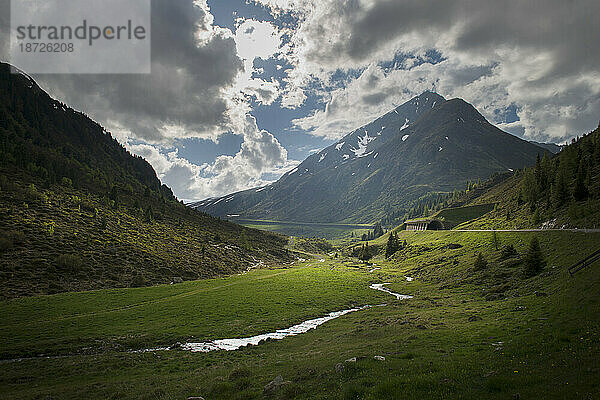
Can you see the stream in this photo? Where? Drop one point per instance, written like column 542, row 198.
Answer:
column 235, row 344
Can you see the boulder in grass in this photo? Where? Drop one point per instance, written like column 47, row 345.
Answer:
column 275, row 385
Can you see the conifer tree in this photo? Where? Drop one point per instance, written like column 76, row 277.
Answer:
column 580, row 191
column 365, row 253
column 534, row 260
column 480, row 263
column 560, row 189
column 392, row 246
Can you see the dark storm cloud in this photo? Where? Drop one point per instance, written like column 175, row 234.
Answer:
column 191, row 65
column 568, row 29
column 538, row 55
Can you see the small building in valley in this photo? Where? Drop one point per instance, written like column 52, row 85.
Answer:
column 424, row 224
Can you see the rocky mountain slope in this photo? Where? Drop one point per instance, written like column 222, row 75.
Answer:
column 426, row 145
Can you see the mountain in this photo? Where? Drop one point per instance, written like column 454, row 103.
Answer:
column 551, row 147
column 426, row 145
column 79, row 212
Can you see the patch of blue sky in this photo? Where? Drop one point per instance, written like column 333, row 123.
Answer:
column 340, row 79
column 200, row 151
column 278, row 121
column 226, row 12
column 398, row 61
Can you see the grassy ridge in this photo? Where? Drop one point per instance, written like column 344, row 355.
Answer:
column 457, row 215
column 563, row 191
column 79, row 212
column 465, row 334
column 56, row 239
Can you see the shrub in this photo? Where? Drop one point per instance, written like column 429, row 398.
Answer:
column 103, row 222
column 508, row 251
column 480, row 262
column 534, row 260
column 4, row 182
column 69, row 262
column 87, row 206
column 32, row 193
column 66, row 182
column 138, row 280
column 6, row 244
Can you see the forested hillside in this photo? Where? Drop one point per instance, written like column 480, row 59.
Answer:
column 561, row 191
column 78, row 211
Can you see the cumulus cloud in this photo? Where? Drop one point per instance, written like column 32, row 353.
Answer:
column 201, row 84
column 257, row 39
column 260, row 155
column 541, row 58
column 194, row 64
column 359, row 57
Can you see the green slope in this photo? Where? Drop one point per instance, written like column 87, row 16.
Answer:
column 559, row 192
column 454, row 216
column 492, row 334
column 79, row 212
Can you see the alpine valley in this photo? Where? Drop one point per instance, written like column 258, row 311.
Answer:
column 111, row 288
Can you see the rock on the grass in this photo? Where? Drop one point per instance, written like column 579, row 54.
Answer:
column 379, row 358
column 353, row 359
column 339, row 367
column 195, row 398
column 275, row 385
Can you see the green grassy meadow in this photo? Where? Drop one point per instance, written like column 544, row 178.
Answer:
column 492, row 334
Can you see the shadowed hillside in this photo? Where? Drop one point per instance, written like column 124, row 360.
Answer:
column 79, row 212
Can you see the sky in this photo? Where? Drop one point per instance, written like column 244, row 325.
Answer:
column 241, row 91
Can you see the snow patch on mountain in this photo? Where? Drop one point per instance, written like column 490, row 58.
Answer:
column 322, row 157
column 406, row 123
column 339, row 145
column 363, row 142
column 405, row 137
